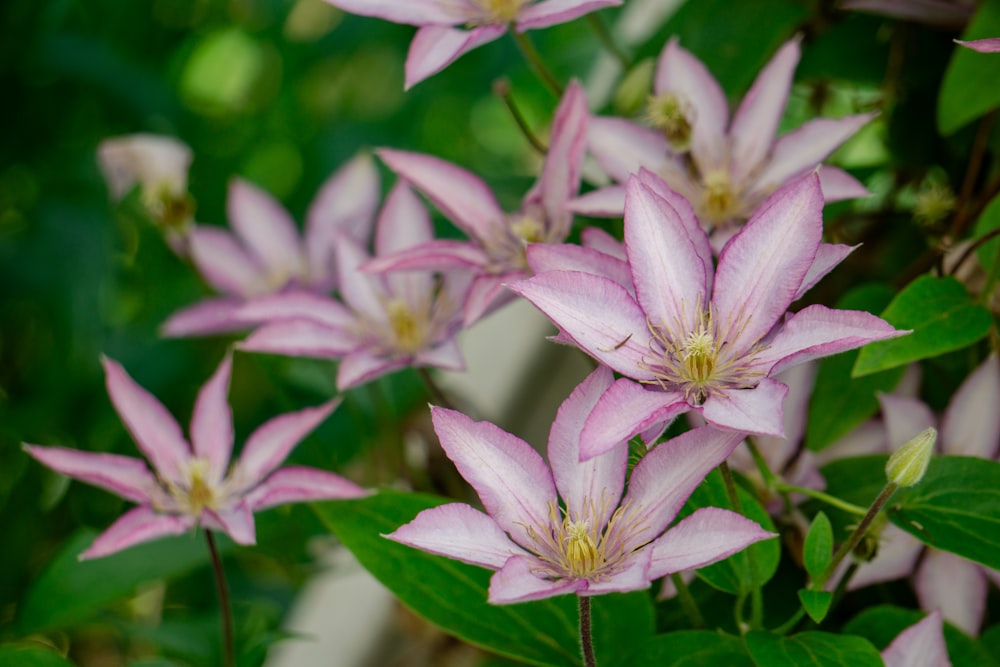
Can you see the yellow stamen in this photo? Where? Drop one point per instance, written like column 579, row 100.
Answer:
column 667, row 113
column 719, row 203
column 501, row 11
column 408, row 330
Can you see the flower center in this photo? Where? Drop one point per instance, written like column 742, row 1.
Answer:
column 500, row 11
column 197, row 493
column 169, row 209
column 719, row 201
column 408, row 330
column 582, row 555
column 527, row 228
column 667, row 113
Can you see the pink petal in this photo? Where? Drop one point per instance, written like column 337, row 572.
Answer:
column 904, row 417
column 954, row 585
column 301, row 338
column 433, row 255
column 447, row 356
column 828, row 256
column 543, row 257
column 596, row 484
column 897, row 555
column 122, row 475
column 606, row 202
column 920, row 645
column 435, row 47
column 297, row 306
column 550, row 12
column 598, row 314
column 707, row 536
column 621, row 147
column 153, row 429
column 365, row 365
column 235, row 521
column 971, row 425
column 266, row 228
column 273, row 441
column 757, row 410
column 516, row 581
column 598, row 239
column 513, row 482
column 364, row 293
column 403, row 222
column 838, row 185
column 207, row 317
column 989, row 45
column 624, row 410
column 412, row 12
column 664, row 478
column 634, row 577
column 487, row 293
column 756, row 121
column 761, row 268
column 140, row 524
column 223, row 261
column 460, row 532
column 212, row 422
column 152, row 161
column 686, row 217
column 296, row 484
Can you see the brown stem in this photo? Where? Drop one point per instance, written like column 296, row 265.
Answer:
column 586, row 636
column 225, row 608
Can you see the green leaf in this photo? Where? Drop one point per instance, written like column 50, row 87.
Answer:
column 956, row 508
column 880, row 625
column 816, row 603
column 818, row 548
column 811, row 649
column 70, row 591
column 969, row 87
column 732, row 575
column 452, row 595
column 943, row 318
column 692, row 648
column 30, row 655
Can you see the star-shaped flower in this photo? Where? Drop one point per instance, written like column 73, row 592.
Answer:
column 594, row 541
column 194, row 484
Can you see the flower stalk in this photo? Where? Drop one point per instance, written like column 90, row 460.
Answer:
column 586, row 636
column 859, row 532
column 225, row 606
column 534, row 59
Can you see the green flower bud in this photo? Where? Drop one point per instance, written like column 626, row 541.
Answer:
column 633, row 91
column 908, row 464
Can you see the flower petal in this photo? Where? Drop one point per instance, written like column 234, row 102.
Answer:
column 897, row 555
column 622, row 147
column 205, row 318
column 988, row 45
column 828, row 256
column 606, row 202
column 516, row 581
column 904, row 417
column 364, row 293
column 235, row 521
column 920, row 645
column 838, row 185
column 624, row 410
column 223, row 261
column 435, row 47
column 140, row 524
column 123, row 475
column 412, row 12
column 543, row 257
column 266, row 228
column 153, row 429
column 272, row 442
column 297, row 305
column 365, row 365
column 634, row 577
column 212, row 422
column 301, row 338
column 296, row 484
column 758, row 410
column 550, row 12
column 458, row 531
column 404, row 223
column 954, row 585
column 434, row 255
column 707, row 536
column 511, row 478
column 971, row 425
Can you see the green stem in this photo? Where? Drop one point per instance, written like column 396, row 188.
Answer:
column 531, row 55
column 586, row 638
column 824, row 497
column 225, row 608
column 606, row 40
column 501, row 88
column 437, row 394
column 790, row 624
column 859, row 532
column 756, row 595
column 687, row 601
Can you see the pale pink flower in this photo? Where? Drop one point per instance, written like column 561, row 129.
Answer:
column 195, row 484
column 594, row 540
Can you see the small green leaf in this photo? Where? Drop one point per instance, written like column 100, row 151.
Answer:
column 811, row 649
column 452, row 595
column 732, row 575
column 818, row 548
column 955, row 508
column 692, row 648
column 943, row 318
column 969, row 88
column 816, row 603
column 30, row 655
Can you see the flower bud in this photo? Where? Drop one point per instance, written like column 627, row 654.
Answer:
column 633, row 91
column 908, row 464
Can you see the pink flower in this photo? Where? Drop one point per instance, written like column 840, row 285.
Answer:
column 724, row 167
column 690, row 336
column 438, row 44
column 384, row 322
column 594, row 541
column 194, row 484
column 266, row 254
column 496, row 246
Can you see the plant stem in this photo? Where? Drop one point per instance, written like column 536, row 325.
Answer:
column 531, row 55
column 225, row 609
column 824, row 497
column 687, row 601
column 756, row 595
column 586, row 638
column 436, row 392
column 501, row 88
column 859, row 532
column 606, row 40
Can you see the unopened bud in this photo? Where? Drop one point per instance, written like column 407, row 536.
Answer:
column 908, row 464
column 634, row 89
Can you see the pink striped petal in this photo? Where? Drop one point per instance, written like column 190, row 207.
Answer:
column 301, row 338
column 266, row 228
column 487, row 293
column 433, row 255
column 686, row 216
column 460, row 532
column 435, row 47
column 633, row 577
column 971, row 425
column 758, row 410
column 138, row 525
column 920, row 645
column 988, row 45
column 606, row 202
column 511, row 478
column 364, row 293
column 828, row 256
column 365, row 365
column 622, row 147
column 235, row 521
column 707, row 536
column 297, row 306
column 212, row 422
column 838, row 185
column 205, row 318
column 447, row 356
column 543, row 257
column 153, row 429
column 954, row 585
column 550, row 12
column 122, row 475
column 598, row 239
column 273, row 441
column 412, row 12
column 223, row 261
column 516, row 581
column 296, row 484
column 624, row 410
column 404, row 223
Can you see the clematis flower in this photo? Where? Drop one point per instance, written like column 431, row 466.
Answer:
column 385, row 322
column 970, row 427
column 495, row 249
column 920, row 645
column 724, row 167
column 193, row 484
column 694, row 337
column 437, row 43
column 596, row 541
column 266, row 254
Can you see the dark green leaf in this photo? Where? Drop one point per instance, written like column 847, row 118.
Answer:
column 818, row 548
column 30, row 655
column 942, row 316
column 692, row 648
column 969, row 87
column 816, row 603
column 733, row 574
column 811, row 649
column 453, row 595
column 956, row 508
